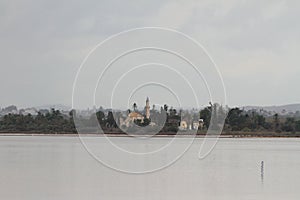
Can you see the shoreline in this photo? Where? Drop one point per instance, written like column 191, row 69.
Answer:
column 224, row 135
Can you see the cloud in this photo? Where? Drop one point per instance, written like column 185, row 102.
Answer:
column 174, row 14
column 275, row 10
column 43, row 42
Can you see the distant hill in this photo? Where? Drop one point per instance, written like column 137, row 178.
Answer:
column 55, row 106
column 283, row 109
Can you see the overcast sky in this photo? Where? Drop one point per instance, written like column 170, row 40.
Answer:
column 255, row 44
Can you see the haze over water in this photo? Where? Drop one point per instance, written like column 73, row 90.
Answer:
column 59, row 168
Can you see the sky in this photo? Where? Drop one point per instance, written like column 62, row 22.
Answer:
column 255, row 44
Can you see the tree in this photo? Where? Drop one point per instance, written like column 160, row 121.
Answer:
column 289, row 125
column 205, row 114
column 172, row 112
column 166, row 107
column 236, row 120
column 101, row 117
column 111, row 120
column 297, row 125
column 214, row 116
column 134, row 106
column 276, row 123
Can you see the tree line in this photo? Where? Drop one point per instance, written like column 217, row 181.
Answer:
column 237, row 120
column 51, row 122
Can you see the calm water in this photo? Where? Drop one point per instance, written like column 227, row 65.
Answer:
column 59, row 168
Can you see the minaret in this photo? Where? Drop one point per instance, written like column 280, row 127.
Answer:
column 147, row 108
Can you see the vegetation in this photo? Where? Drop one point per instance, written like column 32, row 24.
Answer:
column 237, row 121
column 52, row 122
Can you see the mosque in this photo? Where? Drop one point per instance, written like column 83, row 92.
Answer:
column 135, row 115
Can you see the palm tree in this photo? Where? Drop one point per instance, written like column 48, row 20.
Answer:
column 166, row 107
column 134, row 106
column 276, row 122
column 153, row 107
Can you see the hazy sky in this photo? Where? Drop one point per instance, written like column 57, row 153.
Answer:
column 255, row 44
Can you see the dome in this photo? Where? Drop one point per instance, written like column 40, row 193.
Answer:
column 135, row 115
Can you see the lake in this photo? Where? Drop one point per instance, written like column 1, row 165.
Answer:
column 58, row 167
